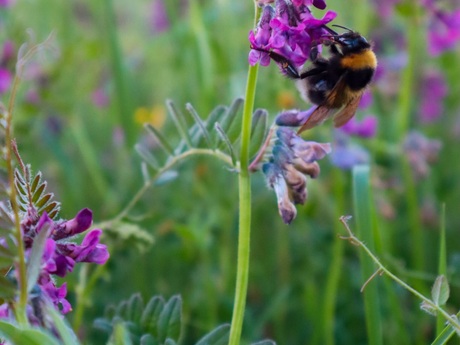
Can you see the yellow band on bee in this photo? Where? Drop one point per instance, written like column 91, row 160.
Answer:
column 365, row 59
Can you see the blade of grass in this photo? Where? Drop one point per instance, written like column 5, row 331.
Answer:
column 119, row 72
column 362, row 203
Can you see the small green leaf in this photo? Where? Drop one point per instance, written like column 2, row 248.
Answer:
column 7, row 288
column 169, row 341
column 215, row 116
column 231, row 114
column 440, row 290
column 38, row 192
column 36, row 181
column 147, row 156
column 120, row 335
column 6, row 257
column 265, row 342
column 43, row 200
column 151, row 314
column 65, row 332
column 178, row 119
column 122, row 310
column 147, row 339
column 234, row 128
column 169, row 322
column 25, row 335
column 428, row 308
column 135, row 306
column 258, row 131
column 218, row 336
column 226, row 140
column 103, row 325
column 199, row 123
column 36, row 255
column 166, row 177
column 156, row 134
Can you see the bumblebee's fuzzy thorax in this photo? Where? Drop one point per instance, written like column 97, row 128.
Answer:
column 362, row 60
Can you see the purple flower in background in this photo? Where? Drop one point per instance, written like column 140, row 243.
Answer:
column 100, row 98
column 347, row 154
column 5, row 80
column 420, row 152
column 288, row 29
column 292, row 159
column 159, row 21
column 385, row 7
column 6, row 3
column 443, row 28
column 366, row 128
column 434, row 90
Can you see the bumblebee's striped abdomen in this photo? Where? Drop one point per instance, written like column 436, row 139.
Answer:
column 360, row 69
column 362, row 60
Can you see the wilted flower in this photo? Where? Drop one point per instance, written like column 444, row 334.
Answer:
column 420, row 152
column 288, row 29
column 60, row 253
column 291, row 160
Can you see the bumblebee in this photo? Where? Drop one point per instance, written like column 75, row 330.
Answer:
column 337, row 83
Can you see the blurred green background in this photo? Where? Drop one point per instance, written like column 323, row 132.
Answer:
column 80, row 111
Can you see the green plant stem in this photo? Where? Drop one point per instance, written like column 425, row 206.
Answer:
column 83, row 291
column 21, row 267
column 244, row 226
column 381, row 269
column 244, row 184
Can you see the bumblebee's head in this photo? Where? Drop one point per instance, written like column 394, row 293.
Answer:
column 351, row 42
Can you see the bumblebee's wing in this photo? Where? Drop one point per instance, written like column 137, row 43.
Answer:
column 321, row 113
column 326, row 109
column 347, row 112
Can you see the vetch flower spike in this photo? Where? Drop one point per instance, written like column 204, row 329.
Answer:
column 58, row 257
column 291, row 160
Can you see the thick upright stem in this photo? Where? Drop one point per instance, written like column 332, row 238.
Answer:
column 244, row 235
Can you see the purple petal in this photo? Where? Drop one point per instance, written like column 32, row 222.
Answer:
column 77, row 225
column 294, row 118
column 6, row 79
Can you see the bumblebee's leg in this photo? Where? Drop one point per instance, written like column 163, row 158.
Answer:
column 334, row 50
column 287, row 66
column 314, row 71
column 314, row 53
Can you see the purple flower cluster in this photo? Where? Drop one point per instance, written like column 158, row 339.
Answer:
column 61, row 254
column 443, row 28
column 347, row 154
column 292, row 159
column 7, row 57
column 434, row 90
column 420, row 152
column 288, row 29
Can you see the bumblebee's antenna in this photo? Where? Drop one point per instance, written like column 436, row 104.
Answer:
column 328, row 29
column 343, row 27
